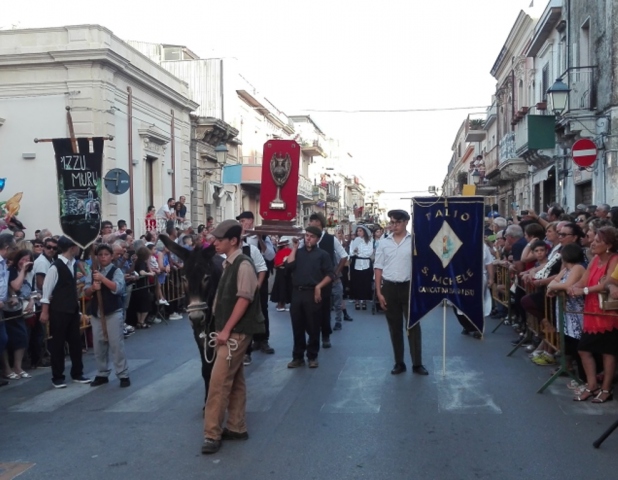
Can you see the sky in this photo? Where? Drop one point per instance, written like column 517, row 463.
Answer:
column 310, row 56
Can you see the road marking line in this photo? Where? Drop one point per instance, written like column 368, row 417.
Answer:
column 169, row 386
column 9, row 471
column 359, row 387
column 462, row 389
column 51, row 400
column 265, row 383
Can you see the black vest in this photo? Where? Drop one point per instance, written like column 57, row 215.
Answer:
column 64, row 295
column 327, row 243
column 111, row 302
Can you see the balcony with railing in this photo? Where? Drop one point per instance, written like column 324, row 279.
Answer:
column 582, row 85
column 319, row 193
column 491, row 160
column 313, row 148
column 305, row 189
column 332, row 191
column 507, row 148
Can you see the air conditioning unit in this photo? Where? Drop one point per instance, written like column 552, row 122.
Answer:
column 431, row 189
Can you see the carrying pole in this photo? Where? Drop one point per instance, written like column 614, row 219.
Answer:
column 444, row 338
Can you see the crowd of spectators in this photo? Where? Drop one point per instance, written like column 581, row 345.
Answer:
column 153, row 290
column 574, row 257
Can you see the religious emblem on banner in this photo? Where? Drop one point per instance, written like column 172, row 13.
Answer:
column 79, row 181
column 280, row 168
column 446, row 244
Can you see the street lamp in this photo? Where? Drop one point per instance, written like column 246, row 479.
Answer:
column 558, row 95
column 221, row 151
column 476, row 176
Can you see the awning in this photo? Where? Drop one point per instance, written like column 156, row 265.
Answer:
column 541, row 175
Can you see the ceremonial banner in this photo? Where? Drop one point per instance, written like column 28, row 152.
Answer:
column 79, row 188
column 447, row 256
column 279, row 188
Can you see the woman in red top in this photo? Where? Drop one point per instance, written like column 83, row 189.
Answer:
column 600, row 329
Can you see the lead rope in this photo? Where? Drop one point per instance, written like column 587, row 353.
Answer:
column 232, row 346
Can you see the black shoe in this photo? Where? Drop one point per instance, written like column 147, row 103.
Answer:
column 398, row 368
column 210, row 446
column 478, row 335
column 229, row 435
column 125, row 382
column 420, row 370
column 337, row 326
column 99, row 381
column 313, row 363
column 81, row 379
column 266, row 348
column 326, row 342
column 3, row 383
column 347, row 318
column 296, row 363
column 59, row 384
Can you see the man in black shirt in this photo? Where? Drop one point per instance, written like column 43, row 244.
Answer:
column 312, row 270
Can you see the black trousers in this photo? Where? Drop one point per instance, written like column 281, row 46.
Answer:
column 306, row 320
column 64, row 327
column 397, row 296
column 260, row 337
column 325, row 325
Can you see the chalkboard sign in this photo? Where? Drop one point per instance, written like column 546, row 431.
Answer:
column 79, row 188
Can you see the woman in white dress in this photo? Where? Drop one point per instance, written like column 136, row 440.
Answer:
column 361, row 273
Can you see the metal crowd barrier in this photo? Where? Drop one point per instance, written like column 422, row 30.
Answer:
column 501, row 290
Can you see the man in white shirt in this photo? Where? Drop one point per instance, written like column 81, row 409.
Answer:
column 60, row 307
column 393, row 271
column 166, row 212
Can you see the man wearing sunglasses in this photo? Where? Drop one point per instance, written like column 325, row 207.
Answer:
column 44, row 261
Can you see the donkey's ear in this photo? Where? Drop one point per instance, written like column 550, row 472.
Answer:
column 209, row 251
column 173, row 247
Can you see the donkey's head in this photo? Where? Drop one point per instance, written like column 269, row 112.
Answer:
column 202, row 271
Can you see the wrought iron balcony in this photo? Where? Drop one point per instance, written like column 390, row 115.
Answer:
column 583, row 88
column 305, row 189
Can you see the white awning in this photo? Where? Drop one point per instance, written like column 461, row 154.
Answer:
column 541, row 175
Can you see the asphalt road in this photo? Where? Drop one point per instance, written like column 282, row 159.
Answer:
column 347, row 419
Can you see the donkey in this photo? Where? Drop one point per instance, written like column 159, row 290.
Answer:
column 202, row 271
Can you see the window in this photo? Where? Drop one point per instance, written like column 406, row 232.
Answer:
column 545, row 82
column 584, row 44
column 149, row 184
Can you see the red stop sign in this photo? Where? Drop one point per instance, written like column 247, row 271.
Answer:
column 584, row 152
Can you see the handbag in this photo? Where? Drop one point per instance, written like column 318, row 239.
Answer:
column 606, row 303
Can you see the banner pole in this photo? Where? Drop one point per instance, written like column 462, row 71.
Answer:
column 443, row 338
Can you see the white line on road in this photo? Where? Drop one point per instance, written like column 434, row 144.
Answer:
column 462, row 390
column 359, row 387
column 52, row 399
column 170, row 385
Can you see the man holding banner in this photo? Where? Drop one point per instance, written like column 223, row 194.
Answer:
column 393, row 271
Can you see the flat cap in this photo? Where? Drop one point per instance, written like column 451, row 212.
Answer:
column 398, row 214
column 227, row 229
column 64, row 243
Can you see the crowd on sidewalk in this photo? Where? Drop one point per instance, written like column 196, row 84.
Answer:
column 572, row 260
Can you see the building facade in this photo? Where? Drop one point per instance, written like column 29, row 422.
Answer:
column 111, row 89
